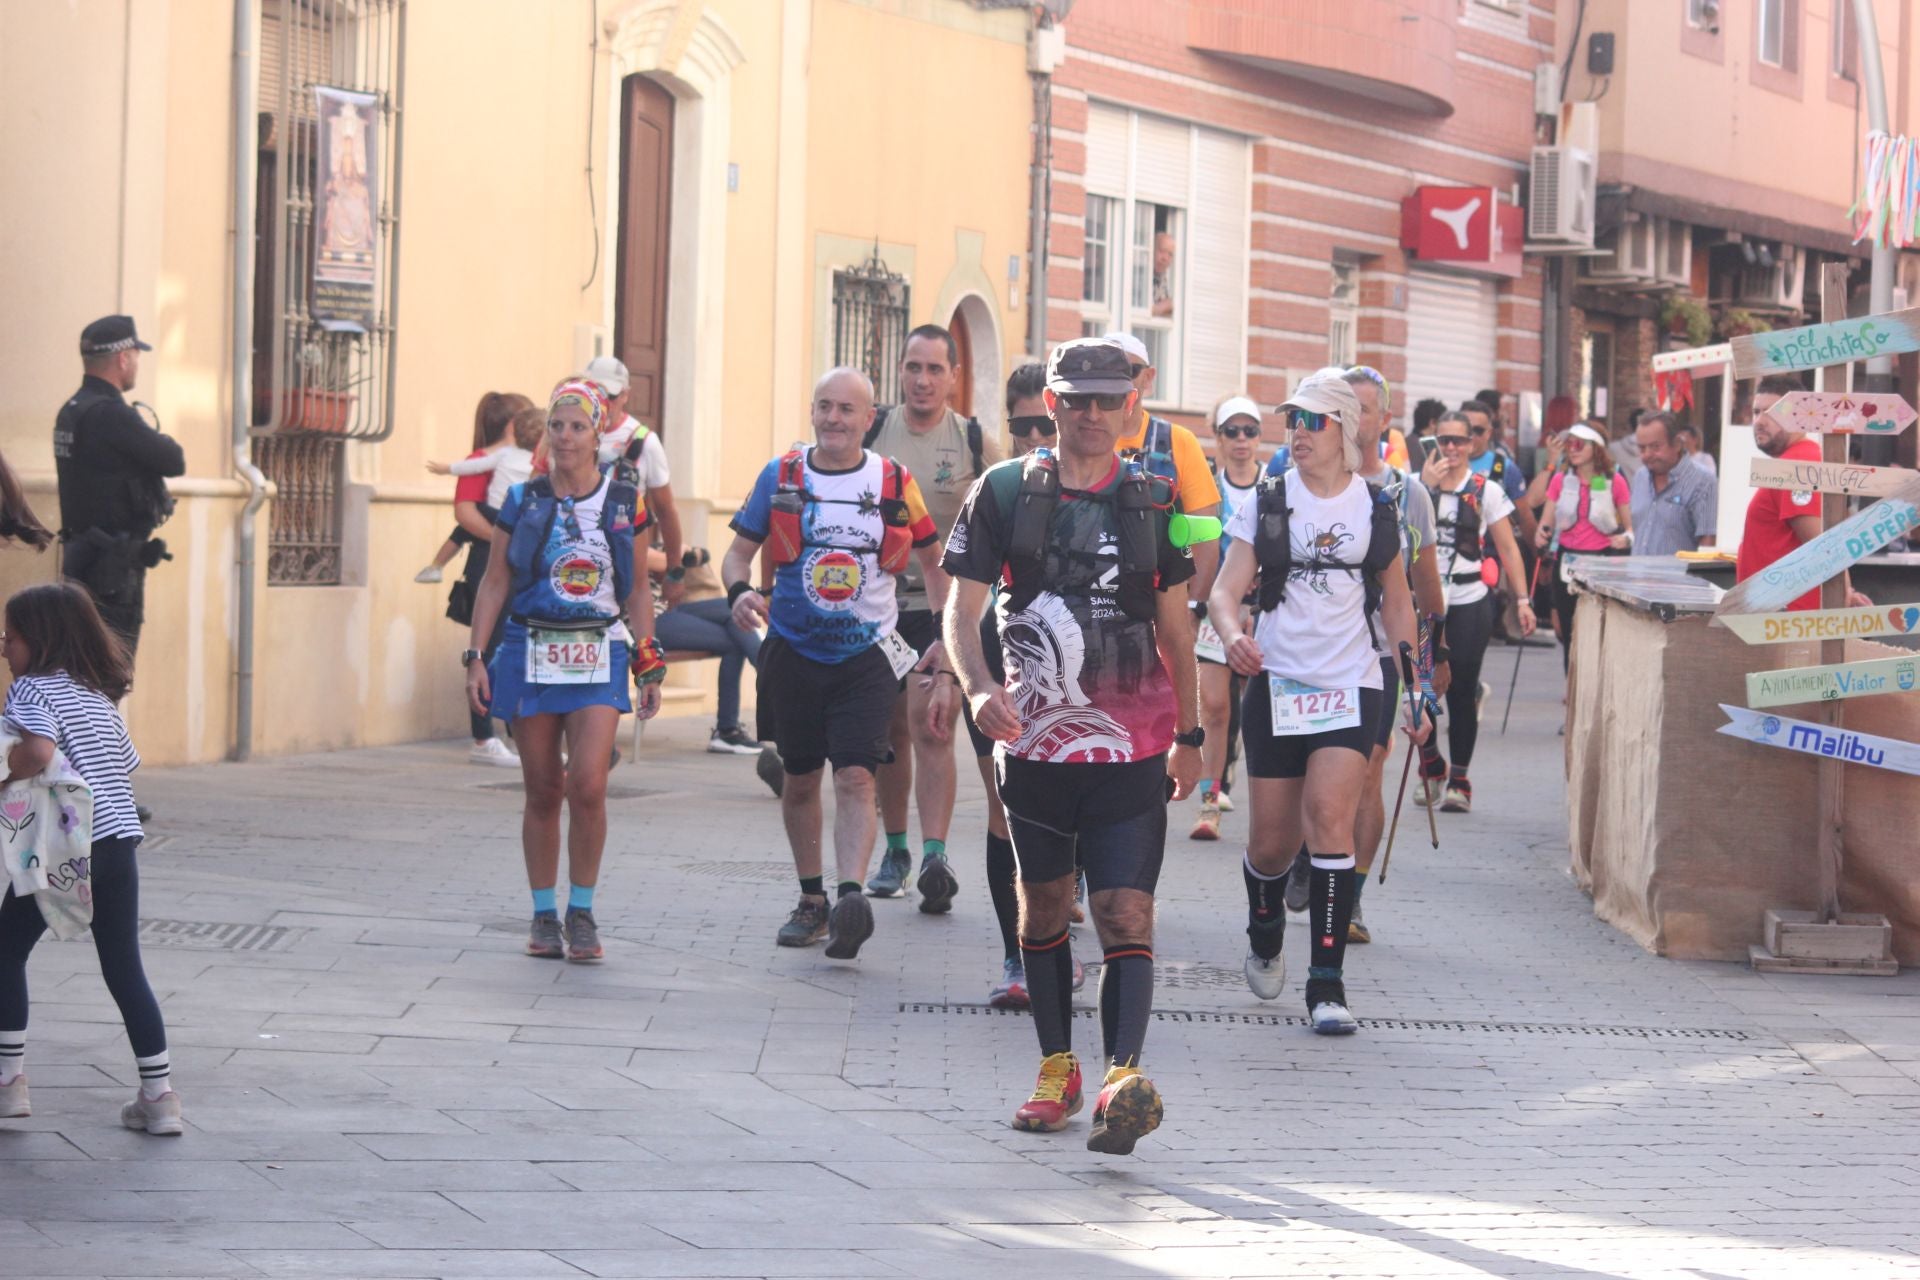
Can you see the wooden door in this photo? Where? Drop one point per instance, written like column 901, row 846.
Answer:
column 646, row 198
column 962, row 398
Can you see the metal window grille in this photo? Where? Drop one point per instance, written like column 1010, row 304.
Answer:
column 303, row 547
column 318, row 383
column 870, row 311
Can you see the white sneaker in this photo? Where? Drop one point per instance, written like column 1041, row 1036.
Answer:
column 159, row 1116
column 1330, row 1018
column 1224, row 800
column 1266, row 978
column 494, row 752
column 13, row 1098
column 430, row 574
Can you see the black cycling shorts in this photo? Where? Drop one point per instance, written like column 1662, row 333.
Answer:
column 1104, row 816
column 1286, row 757
column 816, row 712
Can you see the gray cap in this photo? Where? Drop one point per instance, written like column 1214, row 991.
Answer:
column 1089, row 366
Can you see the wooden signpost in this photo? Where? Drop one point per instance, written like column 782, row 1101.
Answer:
column 1827, row 477
column 1822, row 624
column 1843, row 413
column 1826, row 557
column 1836, row 342
column 1794, row 685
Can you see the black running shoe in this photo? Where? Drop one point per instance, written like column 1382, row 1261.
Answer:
column 848, row 925
column 937, row 885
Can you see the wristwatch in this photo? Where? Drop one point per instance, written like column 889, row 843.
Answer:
column 677, row 574
column 468, row 657
column 1194, row 737
column 1441, row 654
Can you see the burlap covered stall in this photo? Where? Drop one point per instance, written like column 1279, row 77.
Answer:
column 1683, row 836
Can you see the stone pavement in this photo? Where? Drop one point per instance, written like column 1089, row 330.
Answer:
column 378, row 1084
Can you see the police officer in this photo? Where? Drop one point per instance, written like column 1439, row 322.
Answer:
column 112, row 469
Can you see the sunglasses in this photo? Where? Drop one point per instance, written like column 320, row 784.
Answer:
column 1307, row 420
column 1480, row 431
column 1074, row 400
column 1237, row 433
column 1451, row 442
column 1027, row 424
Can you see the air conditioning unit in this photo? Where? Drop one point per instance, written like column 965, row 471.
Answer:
column 1780, row 285
column 1673, row 254
column 1560, row 204
column 1628, row 254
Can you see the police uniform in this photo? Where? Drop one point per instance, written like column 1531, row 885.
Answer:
column 112, row 468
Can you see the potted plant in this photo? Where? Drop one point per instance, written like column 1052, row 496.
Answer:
column 1738, row 321
column 1686, row 318
column 324, row 400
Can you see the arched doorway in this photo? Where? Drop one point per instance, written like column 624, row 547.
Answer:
column 962, row 363
column 977, row 369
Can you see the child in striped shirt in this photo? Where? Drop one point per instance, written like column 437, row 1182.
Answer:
column 68, row 672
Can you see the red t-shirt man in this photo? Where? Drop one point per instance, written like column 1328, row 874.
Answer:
column 1768, row 535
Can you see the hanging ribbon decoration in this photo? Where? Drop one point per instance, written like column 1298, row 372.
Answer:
column 1888, row 211
column 1674, row 391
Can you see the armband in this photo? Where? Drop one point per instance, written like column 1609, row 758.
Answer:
column 735, row 590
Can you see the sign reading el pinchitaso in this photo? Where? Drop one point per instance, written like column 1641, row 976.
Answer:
column 1814, row 345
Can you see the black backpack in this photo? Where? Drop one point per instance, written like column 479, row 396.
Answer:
column 1273, row 545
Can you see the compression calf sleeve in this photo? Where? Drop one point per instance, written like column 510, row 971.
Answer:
column 1330, row 908
column 1126, row 1002
column 1049, row 965
column 1001, row 872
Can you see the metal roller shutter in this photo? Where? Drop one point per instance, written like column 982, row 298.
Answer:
column 1451, row 326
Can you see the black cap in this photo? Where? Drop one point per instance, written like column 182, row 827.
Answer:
column 1089, row 365
column 109, row 334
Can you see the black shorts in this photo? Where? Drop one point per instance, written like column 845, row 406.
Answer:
column 816, row 712
column 1286, row 757
column 996, row 667
column 1064, row 801
column 1389, row 700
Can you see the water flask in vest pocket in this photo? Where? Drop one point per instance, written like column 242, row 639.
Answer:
column 785, row 536
column 1489, row 568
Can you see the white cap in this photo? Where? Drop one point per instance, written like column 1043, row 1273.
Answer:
column 1236, row 407
column 608, row 372
column 1136, row 350
column 1587, row 433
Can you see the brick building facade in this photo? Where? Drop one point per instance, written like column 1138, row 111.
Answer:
column 1228, row 185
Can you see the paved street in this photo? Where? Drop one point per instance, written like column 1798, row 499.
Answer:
column 378, row 1084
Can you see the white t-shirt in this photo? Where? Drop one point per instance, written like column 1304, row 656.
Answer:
column 1317, row 634
column 1495, row 505
column 653, row 455
column 509, row 465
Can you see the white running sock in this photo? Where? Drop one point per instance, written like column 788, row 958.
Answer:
column 13, row 1055
column 156, row 1075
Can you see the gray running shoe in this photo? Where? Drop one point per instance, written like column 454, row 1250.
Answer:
column 161, row 1116
column 1266, row 977
column 583, row 937
column 14, row 1103
column 937, row 885
column 1299, row 882
column 806, row 926
column 1357, row 930
column 546, row 941
column 848, row 925
column 770, row 770
column 890, row 881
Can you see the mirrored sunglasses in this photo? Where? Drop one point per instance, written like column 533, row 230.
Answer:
column 1080, row 400
column 1029, row 423
column 1307, row 420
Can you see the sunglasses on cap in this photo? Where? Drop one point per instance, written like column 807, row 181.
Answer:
column 1307, row 420
column 1237, row 433
column 1459, row 442
column 1075, row 400
column 1029, row 423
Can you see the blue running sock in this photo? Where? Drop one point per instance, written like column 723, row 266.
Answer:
column 579, row 897
column 543, row 902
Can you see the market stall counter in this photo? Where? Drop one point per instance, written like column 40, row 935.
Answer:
column 1685, row 837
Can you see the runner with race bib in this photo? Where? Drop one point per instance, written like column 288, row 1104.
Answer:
column 1326, row 549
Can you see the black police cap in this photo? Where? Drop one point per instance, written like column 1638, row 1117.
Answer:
column 109, row 334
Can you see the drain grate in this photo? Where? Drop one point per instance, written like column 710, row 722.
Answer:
column 1202, row 1016
column 203, row 935
column 615, row 790
column 740, row 870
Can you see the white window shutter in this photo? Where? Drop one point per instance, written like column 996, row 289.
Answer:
column 1106, row 150
column 1216, row 263
column 1162, row 161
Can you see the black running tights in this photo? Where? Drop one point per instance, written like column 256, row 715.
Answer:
column 1469, row 627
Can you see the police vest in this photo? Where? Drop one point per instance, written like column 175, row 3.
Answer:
column 1273, row 545
column 1133, row 520
column 622, row 516
column 787, row 536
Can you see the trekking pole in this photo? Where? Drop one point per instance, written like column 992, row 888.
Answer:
column 1413, row 712
column 1398, row 800
column 1520, row 649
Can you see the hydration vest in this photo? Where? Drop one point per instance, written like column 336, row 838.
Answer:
column 1465, row 523
column 622, row 513
column 1273, row 545
column 1156, row 451
column 1601, row 512
column 787, row 538
column 1079, row 568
